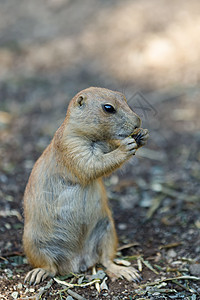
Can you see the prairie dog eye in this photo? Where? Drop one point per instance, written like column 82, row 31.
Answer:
column 108, row 108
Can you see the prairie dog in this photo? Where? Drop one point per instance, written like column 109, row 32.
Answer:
column 68, row 224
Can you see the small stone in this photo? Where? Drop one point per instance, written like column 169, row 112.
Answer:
column 9, row 198
column 80, row 280
column 195, row 270
column 8, row 226
column 19, row 286
column 157, row 187
column 122, row 226
column 31, row 290
column 8, row 245
column 114, row 179
column 9, row 273
column 171, row 253
column 197, row 250
column 156, row 294
column 99, row 275
column 3, row 178
column 25, row 261
column 28, row 164
column 197, row 224
column 14, row 295
column 146, row 200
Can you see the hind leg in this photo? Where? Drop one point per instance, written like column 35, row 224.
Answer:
column 114, row 271
column 43, row 264
column 40, row 273
column 40, row 258
column 108, row 251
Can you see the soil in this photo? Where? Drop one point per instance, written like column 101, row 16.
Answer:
column 50, row 50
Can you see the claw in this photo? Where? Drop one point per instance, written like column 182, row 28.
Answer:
column 137, row 138
column 129, row 273
column 35, row 276
column 140, row 136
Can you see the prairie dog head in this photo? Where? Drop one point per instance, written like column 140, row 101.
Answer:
column 101, row 114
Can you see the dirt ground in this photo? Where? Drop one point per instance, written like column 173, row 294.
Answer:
column 150, row 50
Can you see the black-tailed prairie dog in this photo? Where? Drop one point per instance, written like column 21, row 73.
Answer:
column 68, row 224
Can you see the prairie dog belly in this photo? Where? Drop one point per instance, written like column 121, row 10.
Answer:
column 78, row 216
column 79, row 203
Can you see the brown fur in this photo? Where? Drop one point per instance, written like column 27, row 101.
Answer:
column 68, row 224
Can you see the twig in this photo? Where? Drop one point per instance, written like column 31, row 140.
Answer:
column 132, row 257
column 75, row 284
column 155, row 205
column 164, row 290
column 130, row 245
column 3, row 258
column 14, row 253
column 75, row 295
column 147, row 264
column 171, row 279
column 70, row 292
column 139, row 264
column 76, row 275
column 97, row 285
column 104, row 285
column 181, row 285
column 172, row 245
column 122, row 262
column 174, row 194
column 9, row 213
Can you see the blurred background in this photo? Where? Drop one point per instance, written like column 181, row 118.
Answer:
column 150, row 51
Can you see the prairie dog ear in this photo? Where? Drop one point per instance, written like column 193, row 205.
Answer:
column 81, row 100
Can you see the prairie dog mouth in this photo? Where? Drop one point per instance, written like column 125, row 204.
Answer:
column 136, row 134
column 136, row 131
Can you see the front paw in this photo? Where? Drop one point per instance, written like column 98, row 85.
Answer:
column 128, row 146
column 141, row 137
